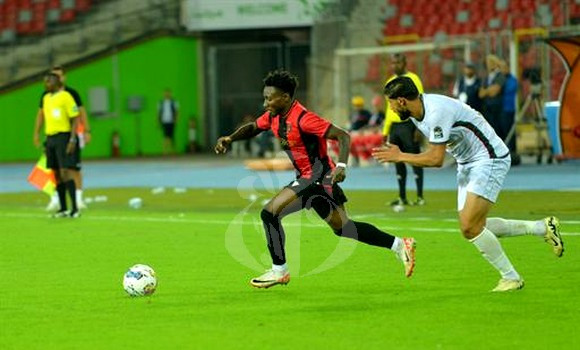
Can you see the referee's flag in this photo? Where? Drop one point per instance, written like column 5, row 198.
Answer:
column 42, row 178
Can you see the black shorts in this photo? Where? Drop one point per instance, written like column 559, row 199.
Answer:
column 403, row 135
column 56, row 156
column 321, row 196
column 168, row 130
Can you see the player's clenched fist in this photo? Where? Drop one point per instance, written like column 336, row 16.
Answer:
column 222, row 144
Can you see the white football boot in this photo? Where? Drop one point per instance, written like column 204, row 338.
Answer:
column 271, row 278
column 407, row 255
column 552, row 236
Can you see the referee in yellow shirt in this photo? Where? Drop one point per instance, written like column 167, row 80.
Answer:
column 59, row 117
column 404, row 134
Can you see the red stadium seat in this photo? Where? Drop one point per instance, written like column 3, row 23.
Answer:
column 83, row 5
column 67, row 16
column 429, row 30
column 23, row 27
column 38, row 27
column 53, row 4
column 575, row 10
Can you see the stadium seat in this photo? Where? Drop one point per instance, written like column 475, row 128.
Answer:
column 28, row 17
column 67, row 16
column 23, row 27
column 83, row 5
column 53, row 4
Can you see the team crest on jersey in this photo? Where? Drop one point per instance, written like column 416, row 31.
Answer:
column 438, row 132
column 288, row 127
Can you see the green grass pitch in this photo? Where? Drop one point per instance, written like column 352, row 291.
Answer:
column 60, row 279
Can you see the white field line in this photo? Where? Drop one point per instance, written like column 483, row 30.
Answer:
column 242, row 222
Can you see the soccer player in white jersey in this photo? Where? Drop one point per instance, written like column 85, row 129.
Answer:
column 483, row 162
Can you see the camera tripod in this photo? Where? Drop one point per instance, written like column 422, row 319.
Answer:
column 534, row 100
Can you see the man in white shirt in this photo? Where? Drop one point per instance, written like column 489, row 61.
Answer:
column 168, row 110
column 483, row 161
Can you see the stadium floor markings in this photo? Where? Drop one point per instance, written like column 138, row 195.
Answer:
column 238, row 222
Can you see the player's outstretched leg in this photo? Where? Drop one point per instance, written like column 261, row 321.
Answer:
column 369, row 234
column 548, row 228
column 490, row 248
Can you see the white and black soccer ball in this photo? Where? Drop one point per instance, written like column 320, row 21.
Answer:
column 140, row 280
column 398, row 208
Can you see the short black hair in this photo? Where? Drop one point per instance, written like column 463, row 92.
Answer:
column 60, row 68
column 51, row 75
column 401, row 87
column 283, row 80
column 400, row 56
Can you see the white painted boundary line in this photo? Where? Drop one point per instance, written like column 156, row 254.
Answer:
column 237, row 222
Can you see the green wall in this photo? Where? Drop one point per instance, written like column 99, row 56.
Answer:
column 146, row 70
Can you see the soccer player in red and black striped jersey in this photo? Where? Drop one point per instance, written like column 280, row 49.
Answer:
column 303, row 135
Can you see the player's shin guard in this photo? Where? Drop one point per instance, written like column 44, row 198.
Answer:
column 508, row 228
column 490, row 248
column 366, row 233
column 275, row 236
column 402, row 180
column 419, row 180
column 61, row 191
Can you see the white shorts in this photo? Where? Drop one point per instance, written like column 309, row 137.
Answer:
column 483, row 178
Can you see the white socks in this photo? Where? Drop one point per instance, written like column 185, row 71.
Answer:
column 509, row 228
column 489, row 246
column 280, row 268
column 54, row 198
column 397, row 245
column 79, row 194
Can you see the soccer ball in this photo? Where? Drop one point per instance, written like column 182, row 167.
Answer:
column 398, row 208
column 140, row 280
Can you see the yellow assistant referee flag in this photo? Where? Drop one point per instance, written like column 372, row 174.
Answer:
column 42, row 178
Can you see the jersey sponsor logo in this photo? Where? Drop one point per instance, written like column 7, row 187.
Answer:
column 438, row 132
column 56, row 113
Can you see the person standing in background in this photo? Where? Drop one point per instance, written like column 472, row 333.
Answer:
column 168, row 111
column 508, row 114
column 59, row 117
column 359, row 119
column 360, row 116
column 404, row 134
column 466, row 88
column 83, row 133
column 492, row 92
column 378, row 116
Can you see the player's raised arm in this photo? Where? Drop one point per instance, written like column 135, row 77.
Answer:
column 246, row 131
